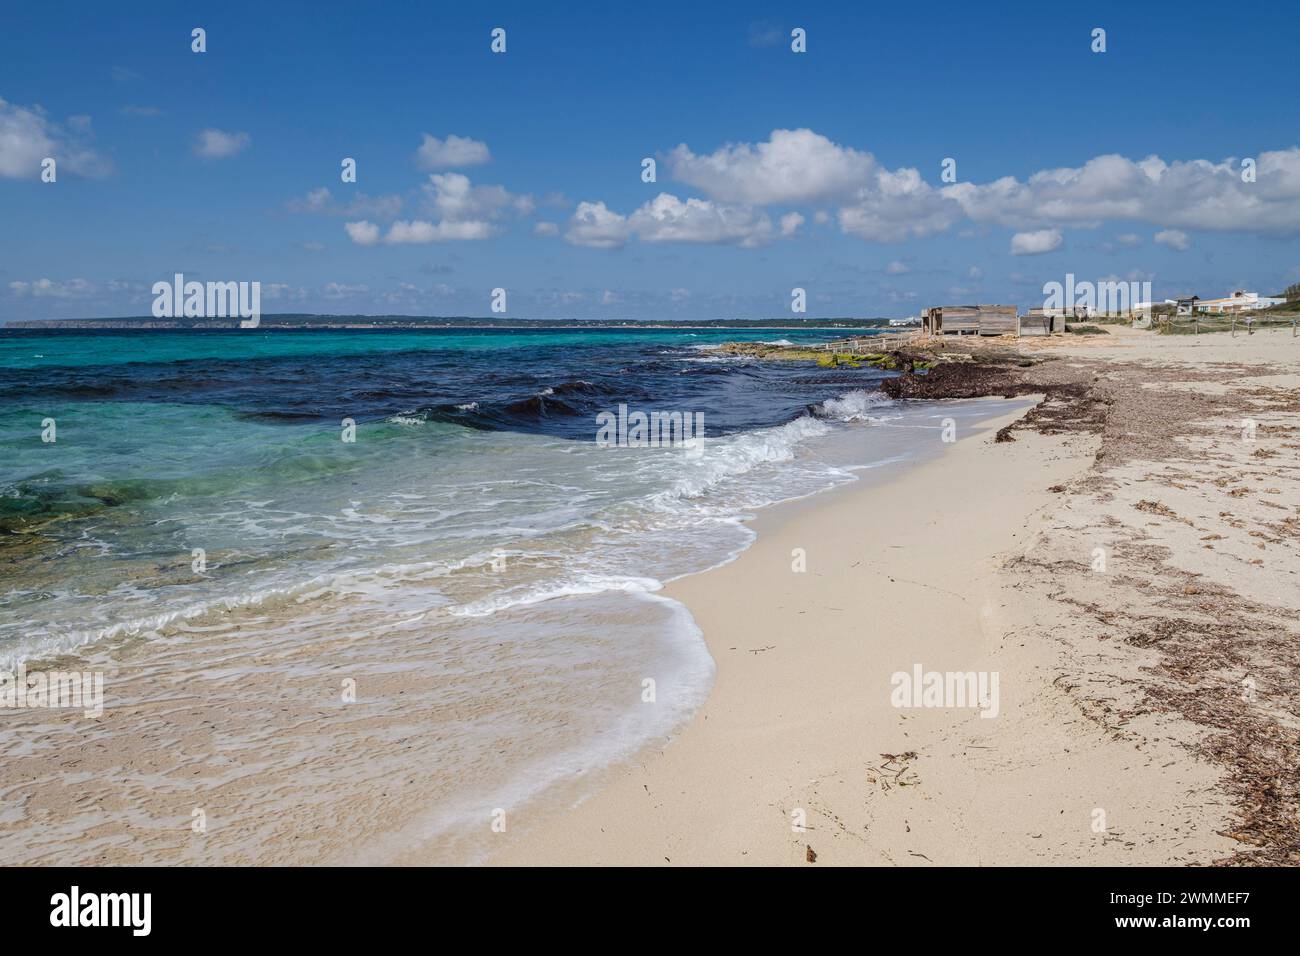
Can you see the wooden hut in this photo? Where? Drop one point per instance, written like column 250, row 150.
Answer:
column 971, row 320
column 1044, row 321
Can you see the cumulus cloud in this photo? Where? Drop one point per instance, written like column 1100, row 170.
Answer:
column 593, row 224
column 28, row 136
column 792, row 166
column 1035, row 243
column 897, row 268
column 790, row 223
column 451, row 152
column 362, row 233
column 666, row 218
column 460, row 211
column 546, row 229
column 452, row 196
column 1193, row 194
column 896, row 206
column 892, row 205
column 1174, row 239
column 218, row 144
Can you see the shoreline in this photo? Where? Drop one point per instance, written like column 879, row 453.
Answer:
column 1121, row 556
column 800, row 717
column 1110, row 552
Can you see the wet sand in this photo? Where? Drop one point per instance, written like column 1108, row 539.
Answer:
column 1122, row 559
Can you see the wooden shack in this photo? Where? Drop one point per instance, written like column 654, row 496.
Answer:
column 1043, row 322
column 971, row 320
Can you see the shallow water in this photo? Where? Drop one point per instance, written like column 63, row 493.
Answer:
column 474, row 533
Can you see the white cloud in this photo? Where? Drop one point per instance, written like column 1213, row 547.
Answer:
column 546, row 229
column 790, row 223
column 27, row 136
column 453, row 151
column 896, row 206
column 419, row 231
column 1193, row 194
column 452, row 196
column 975, row 273
column 462, row 211
column 668, row 219
column 368, row 207
column 595, row 225
column 1129, row 239
column 318, row 200
column 886, row 205
column 217, row 144
column 792, row 166
column 1036, row 242
column 897, row 268
column 362, row 233
column 1174, row 239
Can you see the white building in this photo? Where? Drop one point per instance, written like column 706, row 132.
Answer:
column 1239, row 301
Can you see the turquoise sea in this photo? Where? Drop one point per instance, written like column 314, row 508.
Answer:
column 437, row 498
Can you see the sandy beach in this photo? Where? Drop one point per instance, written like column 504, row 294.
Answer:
column 1101, row 572
column 1125, row 564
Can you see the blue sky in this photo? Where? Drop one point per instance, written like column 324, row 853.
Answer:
column 775, row 169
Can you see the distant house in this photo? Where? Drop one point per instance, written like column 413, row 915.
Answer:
column 971, row 320
column 1184, row 304
column 910, row 320
column 1239, row 301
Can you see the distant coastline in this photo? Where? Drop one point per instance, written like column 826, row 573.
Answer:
column 313, row 321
